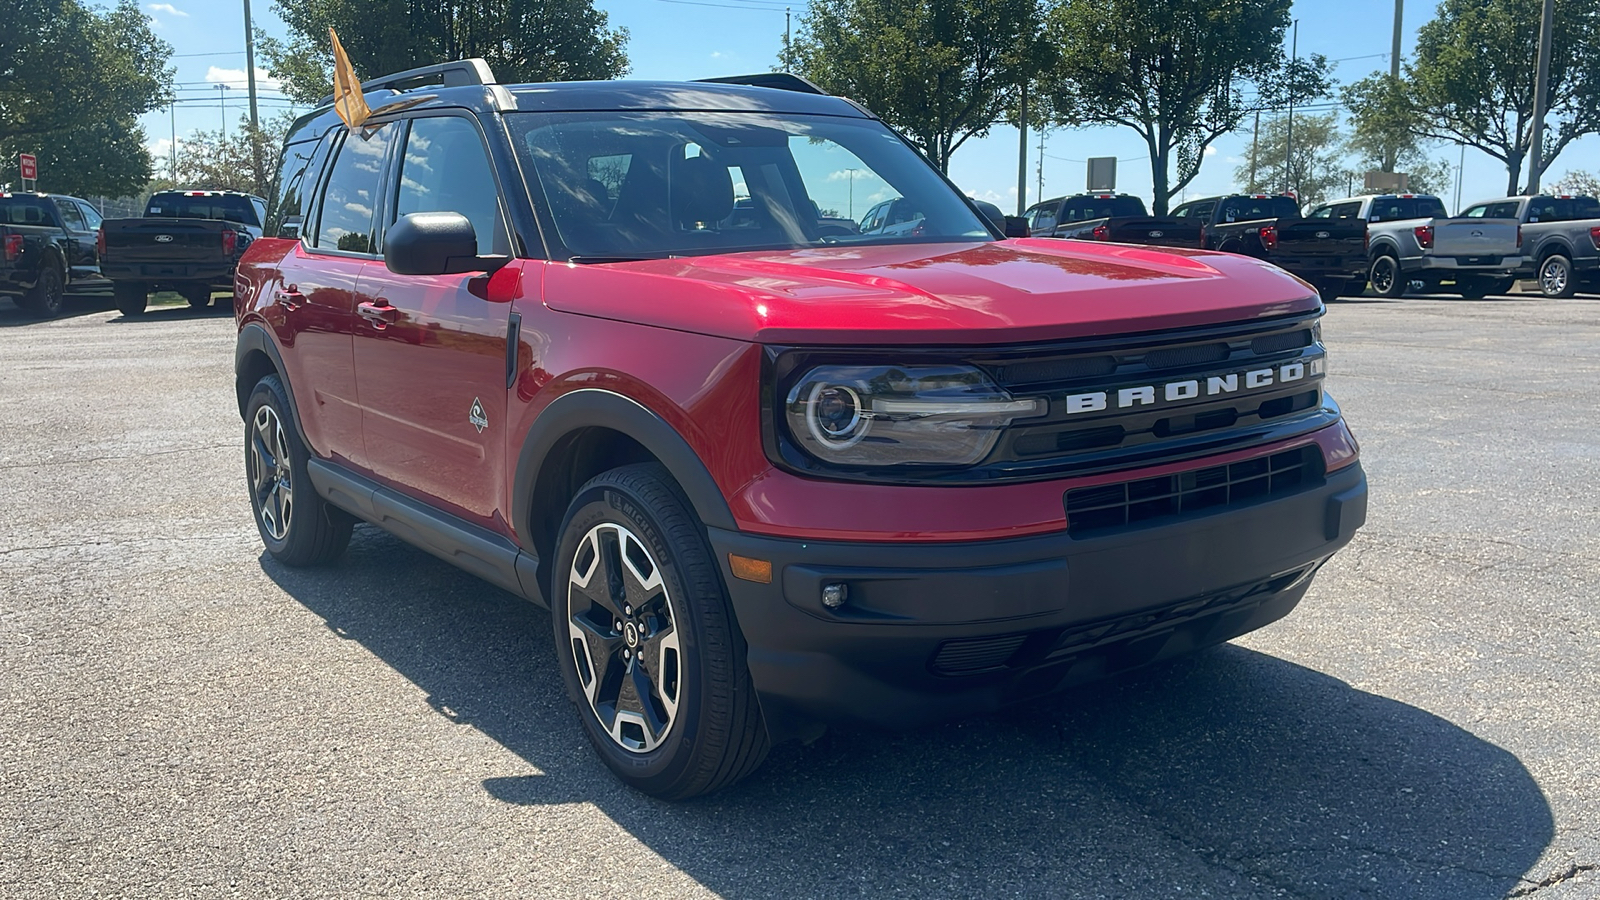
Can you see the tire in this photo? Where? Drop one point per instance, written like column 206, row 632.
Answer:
column 297, row 526
column 197, row 295
column 700, row 727
column 1330, row 291
column 130, row 297
column 1556, row 279
column 47, row 295
column 1386, row 278
column 1474, row 287
column 1355, row 288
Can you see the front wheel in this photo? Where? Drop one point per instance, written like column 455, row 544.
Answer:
column 1555, row 278
column 1386, row 278
column 198, row 296
column 130, row 296
column 647, row 642
column 48, row 293
column 297, row 526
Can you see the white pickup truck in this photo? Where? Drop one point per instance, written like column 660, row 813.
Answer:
column 1412, row 245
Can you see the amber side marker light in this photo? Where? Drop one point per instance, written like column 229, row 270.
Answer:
column 747, row 569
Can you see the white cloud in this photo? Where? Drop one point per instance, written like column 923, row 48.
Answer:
column 1211, row 151
column 235, row 78
column 167, row 8
column 716, row 54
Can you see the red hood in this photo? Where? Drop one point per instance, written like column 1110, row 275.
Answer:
column 1012, row 291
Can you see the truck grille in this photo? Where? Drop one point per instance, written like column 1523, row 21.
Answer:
column 1108, row 506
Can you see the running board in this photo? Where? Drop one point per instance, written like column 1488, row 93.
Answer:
column 490, row 556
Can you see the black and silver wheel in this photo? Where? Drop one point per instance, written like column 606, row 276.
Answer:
column 1555, row 278
column 647, row 642
column 131, row 297
column 297, row 526
column 1386, row 278
column 47, row 295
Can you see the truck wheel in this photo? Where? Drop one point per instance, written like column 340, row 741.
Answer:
column 130, row 297
column 45, row 299
column 647, row 642
column 298, row 527
column 1355, row 287
column 1472, row 287
column 1555, row 278
column 1330, row 291
column 1386, row 278
column 197, row 295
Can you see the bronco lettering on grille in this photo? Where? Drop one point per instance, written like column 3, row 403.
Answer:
column 1194, row 388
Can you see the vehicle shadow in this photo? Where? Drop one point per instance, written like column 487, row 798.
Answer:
column 220, row 308
column 1231, row 771
column 74, row 305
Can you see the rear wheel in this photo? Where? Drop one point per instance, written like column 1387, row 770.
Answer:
column 647, row 642
column 1555, row 278
column 297, row 526
column 1330, row 291
column 46, row 297
column 1386, row 278
column 197, row 295
column 1474, row 287
column 130, row 296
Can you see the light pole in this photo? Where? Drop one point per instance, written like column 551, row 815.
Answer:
column 222, row 100
column 852, row 192
column 1541, row 97
column 1288, row 144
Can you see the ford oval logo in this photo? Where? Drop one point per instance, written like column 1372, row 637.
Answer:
column 163, row 238
column 1477, row 234
column 1158, row 234
column 1323, row 235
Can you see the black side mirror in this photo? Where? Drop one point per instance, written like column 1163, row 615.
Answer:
column 1017, row 226
column 435, row 243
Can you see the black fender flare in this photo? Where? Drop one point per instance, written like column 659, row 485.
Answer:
column 1385, row 246
column 595, row 407
column 254, row 337
column 1550, row 248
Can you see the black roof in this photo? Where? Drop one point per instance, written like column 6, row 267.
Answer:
column 582, row 96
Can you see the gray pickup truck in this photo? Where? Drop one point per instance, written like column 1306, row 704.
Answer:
column 1413, row 246
column 1560, row 239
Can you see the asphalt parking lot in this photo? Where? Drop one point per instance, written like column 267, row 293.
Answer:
column 182, row 717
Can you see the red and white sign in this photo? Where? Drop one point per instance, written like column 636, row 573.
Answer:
column 29, row 164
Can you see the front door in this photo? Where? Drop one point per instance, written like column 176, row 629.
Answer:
column 430, row 352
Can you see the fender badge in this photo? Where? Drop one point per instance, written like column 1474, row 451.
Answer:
column 477, row 416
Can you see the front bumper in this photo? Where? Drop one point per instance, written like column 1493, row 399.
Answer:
column 934, row 631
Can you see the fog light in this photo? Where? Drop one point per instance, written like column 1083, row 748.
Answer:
column 834, row 595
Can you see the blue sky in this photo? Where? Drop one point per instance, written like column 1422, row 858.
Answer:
column 682, row 39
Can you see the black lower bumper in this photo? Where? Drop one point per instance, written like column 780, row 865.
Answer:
column 932, row 631
column 1318, row 270
column 218, row 275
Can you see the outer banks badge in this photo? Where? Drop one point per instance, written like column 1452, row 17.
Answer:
column 477, row 417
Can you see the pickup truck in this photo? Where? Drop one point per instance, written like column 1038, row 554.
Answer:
column 187, row 241
column 1413, row 245
column 1560, row 239
column 1119, row 218
column 767, row 476
column 1330, row 255
column 49, row 248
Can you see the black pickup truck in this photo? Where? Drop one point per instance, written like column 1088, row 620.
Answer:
column 1332, row 255
column 187, row 241
column 1119, row 218
column 49, row 248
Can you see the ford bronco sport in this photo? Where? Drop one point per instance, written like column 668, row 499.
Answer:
column 768, row 475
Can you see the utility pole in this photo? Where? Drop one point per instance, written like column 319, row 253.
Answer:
column 1255, row 139
column 852, row 192
column 250, row 66
column 788, row 59
column 1461, row 168
column 222, row 100
column 172, row 110
column 1391, row 154
column 1288, row 144
column 1541, row 98
column 1040, row 196
column 1022, row 152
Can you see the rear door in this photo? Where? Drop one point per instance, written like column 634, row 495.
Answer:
column 430, row 353
column 79, row 241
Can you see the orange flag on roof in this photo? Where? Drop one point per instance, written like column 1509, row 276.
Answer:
column 347, row 96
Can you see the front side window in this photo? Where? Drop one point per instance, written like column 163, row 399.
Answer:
column 446, row 169
column 658, row 184
column 70, row 215
column 91, row 216
column 345, row 222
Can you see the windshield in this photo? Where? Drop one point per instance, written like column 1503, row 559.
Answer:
column 179, row 206
column 644, row 185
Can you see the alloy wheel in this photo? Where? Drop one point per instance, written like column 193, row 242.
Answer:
column 623, row 637
column 270, row 476
column 1553, row 278
column 1382, row 276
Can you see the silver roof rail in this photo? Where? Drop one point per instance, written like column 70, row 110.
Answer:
column 459, row 73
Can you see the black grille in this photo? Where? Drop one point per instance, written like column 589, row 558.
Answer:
column 968, row 655
column 1180, row 357
column 1109, row 506
column 1277, row 343
column 1049, row 371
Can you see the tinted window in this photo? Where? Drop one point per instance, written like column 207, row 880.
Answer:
column 1390, row 209
column 1562, row 209
column 71, row 216
column 688, row 173
column 91, row 216
column 1199, row 209
column 1044, row 217
column 447, row 169
column 1503, row 210
column 1321, row 212
column 297, row 175
column 1248, row 209
column 345, row 219
column 232, row 208
column 1081, row 209
column 24, row 211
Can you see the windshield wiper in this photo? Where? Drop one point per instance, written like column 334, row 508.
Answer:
column 589, row 260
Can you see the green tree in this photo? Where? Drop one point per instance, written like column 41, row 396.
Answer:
column 522, row 40
column 1177, row 72
column 1472, row 78
column 1381, row 137
column 1316, row 169
column 208, row 161
column 940, row 71
column 73, row 82
column 1578, row 182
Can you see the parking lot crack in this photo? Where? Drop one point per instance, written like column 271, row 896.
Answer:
column 125, row 456
column 1567, row 874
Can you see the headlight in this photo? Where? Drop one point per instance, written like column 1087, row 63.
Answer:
column 891, row 415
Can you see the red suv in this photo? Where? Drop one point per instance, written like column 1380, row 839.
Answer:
column 623, row 349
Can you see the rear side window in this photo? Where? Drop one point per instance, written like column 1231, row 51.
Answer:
column 345, row 220
column 1390, row 209
column 91, row 216
column 1200, row 210
column 447, row 169
column 1562, row 209
column 71, row 216
column 297, row 175
column 24, row 211
column 1248, row 209
column 1082, row 209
